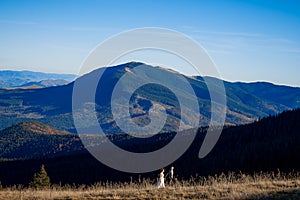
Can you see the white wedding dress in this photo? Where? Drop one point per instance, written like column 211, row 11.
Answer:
column 161, row 180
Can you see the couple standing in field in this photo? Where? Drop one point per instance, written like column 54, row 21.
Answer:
column 161, row 180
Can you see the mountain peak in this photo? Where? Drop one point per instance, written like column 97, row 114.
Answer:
column 127, row 67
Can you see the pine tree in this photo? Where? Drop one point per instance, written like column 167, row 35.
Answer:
column 40, row 180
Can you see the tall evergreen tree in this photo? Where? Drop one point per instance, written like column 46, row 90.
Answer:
column 40, row 180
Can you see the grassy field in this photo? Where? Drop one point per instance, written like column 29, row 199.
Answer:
column 230, row 186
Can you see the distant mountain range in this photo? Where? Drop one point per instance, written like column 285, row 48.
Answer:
column 29, row 79
column 246, row 102
column 42, row 84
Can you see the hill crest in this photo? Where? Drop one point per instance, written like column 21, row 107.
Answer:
column 35, row 127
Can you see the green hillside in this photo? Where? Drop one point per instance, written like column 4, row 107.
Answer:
column 27, row 140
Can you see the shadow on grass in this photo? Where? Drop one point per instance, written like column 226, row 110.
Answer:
column 285, row 194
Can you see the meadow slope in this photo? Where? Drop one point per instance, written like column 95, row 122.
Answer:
column 231, row 186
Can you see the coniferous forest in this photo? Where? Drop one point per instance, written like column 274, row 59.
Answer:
column 269, row 144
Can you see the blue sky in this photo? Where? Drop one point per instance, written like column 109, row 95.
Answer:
column 248, row 40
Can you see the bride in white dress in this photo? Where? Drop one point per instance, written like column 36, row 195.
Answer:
column 161, row 180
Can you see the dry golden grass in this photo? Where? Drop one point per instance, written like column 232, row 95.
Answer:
column 231, row 186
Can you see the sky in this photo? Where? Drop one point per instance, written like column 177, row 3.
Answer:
column 247, row 40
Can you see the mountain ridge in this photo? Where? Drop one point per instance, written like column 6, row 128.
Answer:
column 53, row 106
